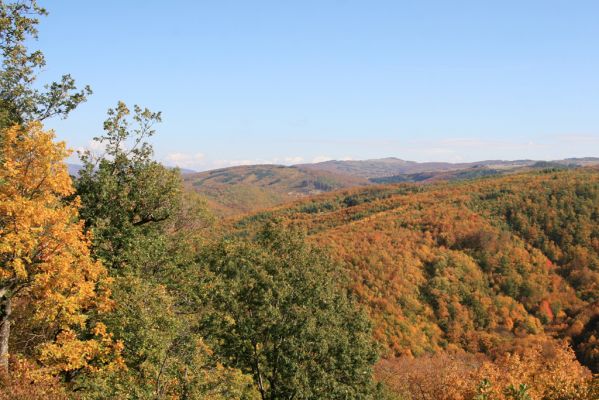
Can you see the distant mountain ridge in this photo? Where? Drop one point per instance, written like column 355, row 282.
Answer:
column 390, row 166
column 250, row 188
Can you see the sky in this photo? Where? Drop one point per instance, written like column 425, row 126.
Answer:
column 245, row 82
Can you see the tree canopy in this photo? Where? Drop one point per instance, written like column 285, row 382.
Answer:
column 275, row 312
column 20, row 100
column 46, row 271
column 120, row 285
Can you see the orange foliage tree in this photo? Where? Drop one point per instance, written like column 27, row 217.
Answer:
column 49, row 284
column 544, row 370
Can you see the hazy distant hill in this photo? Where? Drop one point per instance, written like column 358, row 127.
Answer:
column 387, row 167
column 241, row 189
column 249, row 188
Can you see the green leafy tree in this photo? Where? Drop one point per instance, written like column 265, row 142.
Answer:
column 517, row 393
column 20, row 100
column 275, row 312
column 125, row 193
column 484, row 390
column 141, row 223
column 165, row 359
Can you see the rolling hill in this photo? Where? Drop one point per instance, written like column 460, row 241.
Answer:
column 481, row 266
column 251, row 188
column 395, row 167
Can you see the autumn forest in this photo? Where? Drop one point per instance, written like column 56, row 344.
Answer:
column 128, row 279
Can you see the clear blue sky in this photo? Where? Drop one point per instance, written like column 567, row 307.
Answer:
column 290, row 81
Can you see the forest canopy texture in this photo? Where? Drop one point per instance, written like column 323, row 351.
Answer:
column 118, row 283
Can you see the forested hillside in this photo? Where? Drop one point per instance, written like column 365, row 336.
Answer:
column 120, row 282
column 250, row 188
column 415, row 171
column 482, row 266
column 242, row 189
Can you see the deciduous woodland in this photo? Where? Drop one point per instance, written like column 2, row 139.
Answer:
column 119, row 283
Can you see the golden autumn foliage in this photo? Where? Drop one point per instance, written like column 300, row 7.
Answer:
column 27, row 382
column 47, row 276
column 472, row 265
column 548, row 370
column 443, row 376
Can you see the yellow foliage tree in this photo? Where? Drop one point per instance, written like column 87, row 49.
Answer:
column 543, row 370
column 48, row 280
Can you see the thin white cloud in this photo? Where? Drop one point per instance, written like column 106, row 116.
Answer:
column 185, row 160
column 231, row 163
column 438, row 151
column 318, row 159
column 575, row 138
column 293, row 160
column 448, row 149
column 475, row 143
column 94, row 147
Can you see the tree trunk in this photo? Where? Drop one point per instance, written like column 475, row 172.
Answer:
column 5, row 311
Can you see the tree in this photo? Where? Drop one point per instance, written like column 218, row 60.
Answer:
column 125, row 193
column 20, row 102
column 26, row 383
column 165, row 359
column 141, row 223
column 45, row 265
column 547, row 370
column 274, row 311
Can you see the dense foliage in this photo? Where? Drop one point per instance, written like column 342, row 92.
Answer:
column 538, row 371
column 274, row 311
column 142, row 232
column 472, row 266
column 49, row 284
column 118, row 285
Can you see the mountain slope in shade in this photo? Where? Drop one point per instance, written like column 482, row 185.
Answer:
column 481, row 265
